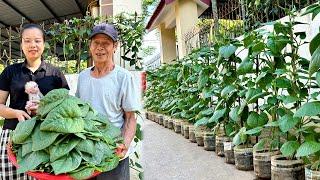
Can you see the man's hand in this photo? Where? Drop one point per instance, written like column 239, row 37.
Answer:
column 121, row 150
column 32, row 107
column 21, row 115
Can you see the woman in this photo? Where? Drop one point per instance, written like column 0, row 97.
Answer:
column 12, row 82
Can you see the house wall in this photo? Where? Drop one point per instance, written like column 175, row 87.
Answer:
column 311, row 27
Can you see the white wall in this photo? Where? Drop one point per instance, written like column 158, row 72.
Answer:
column 128, row 6
column 311, row 28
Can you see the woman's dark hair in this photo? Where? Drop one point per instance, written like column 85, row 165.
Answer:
column 31, row 26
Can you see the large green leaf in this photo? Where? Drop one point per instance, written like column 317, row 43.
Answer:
column 52, row 100
column 229, row 128
column 240, row 137
column 254, row 131
column 255, row 120
column 202, row 122
column 318, row 77
column 26, row 148
column 62, row 149
column 67, row 163
column 277, row 43
column 101, row 151
column 84, row 173
column 248, row 40
column 315, row 61
column 217, row 115
column 65, row 118
column 308, row 148
column 23, row 131
column 111, row 132
column 233, row 114
column 63, row 125
column 236, row 139
column 42, row 139
column 288, row 99
column 261, row 144
column 230, row 89
column 289, row 148
column 314, row 44
column 283, row 82
column 281, row 28
column 253, row 94
column 68, row 109
column 245, row 67
column 227, row 51
column 32, row 160
column 207, row 112
column 287, row 122
column 314, row 9
column 257, row 48
column 109, row 164
column 203, row 79
column 308, row 109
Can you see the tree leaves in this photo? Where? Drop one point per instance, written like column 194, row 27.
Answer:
column 255, row 120
column 308, row 109
column 308, row 148
column 253, row 94
column 315, row 62
column 217, row 115
column 289, row 148
column 240, row 137
column 245, row 67
column 287, row 122
column 227, row 51
column 228, row 91
column 314, row 44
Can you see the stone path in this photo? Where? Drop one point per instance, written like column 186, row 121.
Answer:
column 169, row 156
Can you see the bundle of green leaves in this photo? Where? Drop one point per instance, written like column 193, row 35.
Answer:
column 66, row 136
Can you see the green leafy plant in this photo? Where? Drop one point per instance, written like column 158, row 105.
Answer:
column 67, row 136
column 131, row 29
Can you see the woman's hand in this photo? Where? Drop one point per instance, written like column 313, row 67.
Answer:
column 32, row 107
column 21, row 115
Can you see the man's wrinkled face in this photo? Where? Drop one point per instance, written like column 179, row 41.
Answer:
column 102, row 48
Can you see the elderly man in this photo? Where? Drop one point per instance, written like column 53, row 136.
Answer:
column 111, row 91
